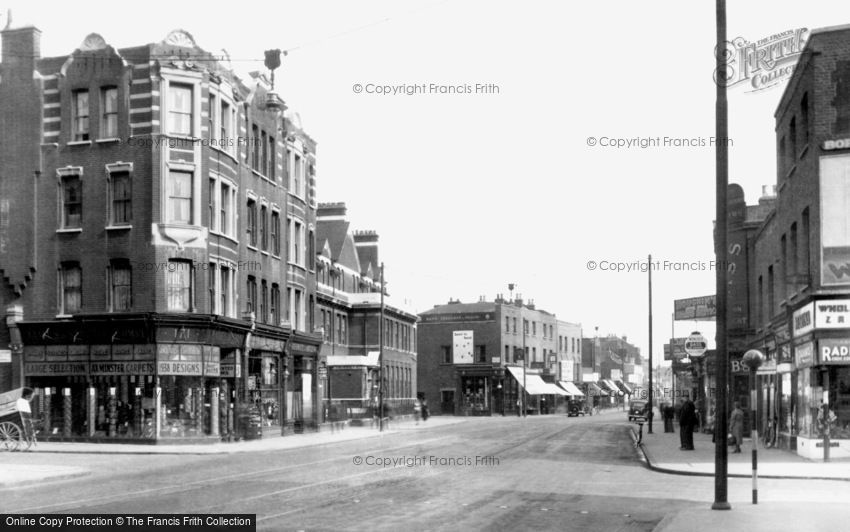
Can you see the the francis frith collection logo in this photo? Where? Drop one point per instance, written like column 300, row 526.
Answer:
column 762, row 64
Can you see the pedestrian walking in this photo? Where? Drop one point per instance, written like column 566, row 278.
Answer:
column 23, row 407
column 736, row 426
column 425, row 412
column 687, row 422
column 667, row 414
column 417, row 409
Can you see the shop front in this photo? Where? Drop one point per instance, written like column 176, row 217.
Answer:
column 161, row 382
column 304, row 387
column 482, row 391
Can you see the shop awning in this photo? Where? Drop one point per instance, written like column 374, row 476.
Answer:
column 555, row 389
column 609, row 386
column 624, row 387
column 571, row 388
column 594, row 389
column 534, row 385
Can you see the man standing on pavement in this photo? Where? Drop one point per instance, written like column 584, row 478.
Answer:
column 736, row 426
column 687, row 421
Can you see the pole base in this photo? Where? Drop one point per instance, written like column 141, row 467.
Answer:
column 721, row 506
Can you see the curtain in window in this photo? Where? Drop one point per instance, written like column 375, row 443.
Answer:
column 72, row 287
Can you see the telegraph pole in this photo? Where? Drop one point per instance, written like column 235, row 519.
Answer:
column 649, row 270
column 722, row 177
column 381, row 360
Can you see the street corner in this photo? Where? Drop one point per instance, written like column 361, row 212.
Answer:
column 14, row 475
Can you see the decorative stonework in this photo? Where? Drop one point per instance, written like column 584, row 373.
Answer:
column 180, row 38
column 92, row 42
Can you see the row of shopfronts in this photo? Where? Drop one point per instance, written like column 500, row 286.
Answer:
column 493, row 390
column 175, row 380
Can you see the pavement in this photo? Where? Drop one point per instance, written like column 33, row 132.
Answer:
column 12, row 473
column 662, row 454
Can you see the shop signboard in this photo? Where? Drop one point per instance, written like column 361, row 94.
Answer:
column 834, row 351
column 802, row 321
column 462, row 348
column 179, row 368
column 695, row 308
column 54, row 368
column 675, row 350
column 804, row 355
column 834, row 222
column 5, row 356
column 122, row 368
column 832, row 314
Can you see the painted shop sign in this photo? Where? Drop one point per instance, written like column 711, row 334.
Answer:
column 803, row 320
column 834, row 351
column 804, row 355
column 122, row 368
column 471, row 316
column 179, row 368
column 832, row 314
column 58, row 368
column 304, row 348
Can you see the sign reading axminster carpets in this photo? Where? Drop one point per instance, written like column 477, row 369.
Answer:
column 462, row 348
column 122, row 368
column 834, row 351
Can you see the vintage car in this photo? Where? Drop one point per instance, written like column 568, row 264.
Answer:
column 638, row 411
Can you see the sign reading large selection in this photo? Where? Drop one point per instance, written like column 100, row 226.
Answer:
column 696, row 345
column 695, row 308
column 462, row 347
column 835, row 224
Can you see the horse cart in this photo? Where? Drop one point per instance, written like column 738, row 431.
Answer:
column 15, row 427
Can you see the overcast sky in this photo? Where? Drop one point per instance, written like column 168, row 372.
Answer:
column 470, row 192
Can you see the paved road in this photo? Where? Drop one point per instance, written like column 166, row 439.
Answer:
column 484, row 474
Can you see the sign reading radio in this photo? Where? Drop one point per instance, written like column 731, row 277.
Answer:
column 834, row 351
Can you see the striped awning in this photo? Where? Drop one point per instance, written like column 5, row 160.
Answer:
column 571, row 388
column 534, row 385
column 624, row 387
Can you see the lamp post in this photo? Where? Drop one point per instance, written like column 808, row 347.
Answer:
column 649, row 271
column 753, row 359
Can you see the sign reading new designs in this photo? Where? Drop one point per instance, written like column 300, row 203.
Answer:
column 462, row 348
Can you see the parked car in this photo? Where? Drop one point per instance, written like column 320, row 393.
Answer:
column 638, row 410
column 576, row 409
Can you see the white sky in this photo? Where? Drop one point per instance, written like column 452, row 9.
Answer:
column 471, row 192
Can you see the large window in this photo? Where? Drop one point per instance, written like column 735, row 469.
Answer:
column 224, row 208
column 274, row 310
column 296, row 173
column 254, row 144
column 180, row 110
column 120, row 285
column 71, row 286
column 264, row 302
column 297, row 247
column 225, row 296
column 275, row 232
column 270, row 159
column 120, row 197
column 80, row 116
column 225, row 128
column 252, row 222
column 72, row 202
column 264, row 228
column 179, row 208
column 178, row 285
column 251, row 305
column 109, row 113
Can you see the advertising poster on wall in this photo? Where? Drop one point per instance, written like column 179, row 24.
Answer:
column 835, row 224
column 462, row 347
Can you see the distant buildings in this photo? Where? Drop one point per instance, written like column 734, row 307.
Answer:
column 612, row 369
column 471, row 357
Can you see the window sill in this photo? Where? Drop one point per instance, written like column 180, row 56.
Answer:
column 263, row 252
column 224, row 235
column 70, row 230
column 79, row 143
column 118, row 227
column 108, row 140
column 252, row 248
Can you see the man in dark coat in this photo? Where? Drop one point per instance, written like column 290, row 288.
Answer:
column 667, row 412
column 687, row 422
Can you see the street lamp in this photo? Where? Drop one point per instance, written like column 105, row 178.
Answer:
column 753, row 359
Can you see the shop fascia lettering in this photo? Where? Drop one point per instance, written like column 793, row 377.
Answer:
column 834, row 352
